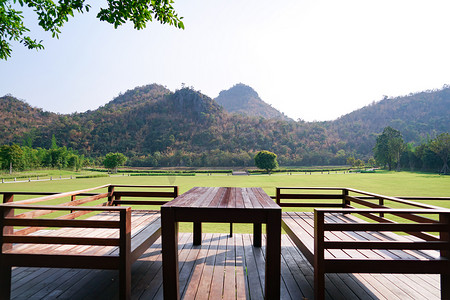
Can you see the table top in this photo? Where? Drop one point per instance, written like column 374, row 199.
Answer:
column 224, row 197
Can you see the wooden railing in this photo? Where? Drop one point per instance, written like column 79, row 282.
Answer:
column 348, row 198
column 117, row 195
column 345, row 197
column 113, row 198
column 112, row 194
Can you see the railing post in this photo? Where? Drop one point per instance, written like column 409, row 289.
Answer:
column 8, row 197
column 381, row 202
column 110, row 196
column 345, row 201
column 175, row 191
column 72, row 198
column 278, row 196
column 319, row 256
column 117, row 200
column 7, row 213
column 445, row 237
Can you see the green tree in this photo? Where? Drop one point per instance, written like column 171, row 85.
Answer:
column 351, row 161
column 52, row 15
column 441, row 146
column 388, row 147
column 359, row 163
column 113, row 160
column 11, row 157
column 371, row 162
column 73, row 162
column 57, row 157
column 53, row 143
column 266, row 160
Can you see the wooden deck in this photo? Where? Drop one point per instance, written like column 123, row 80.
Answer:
column 221, row 268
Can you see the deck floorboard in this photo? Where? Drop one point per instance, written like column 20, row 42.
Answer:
column 221, row 268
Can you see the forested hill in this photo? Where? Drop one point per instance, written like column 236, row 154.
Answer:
column 242, row 99
column 18, row 118
column 417, row 117
column 188, row 128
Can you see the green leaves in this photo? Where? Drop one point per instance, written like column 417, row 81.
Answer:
column 140, row 12
column 113, row 160
column 266, row 160
column 52, row 16
column 388, row 147
column 12, row 29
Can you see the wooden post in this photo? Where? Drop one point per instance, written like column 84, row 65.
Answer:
column 278, row 196
column 7, row 213
column 175, row 191
column 169, row 235
column 110, row 196
column 117, row 200
column 197, row 233
column 319, row 256
column 257, row 233
column 445, row 237
column 8, row 197
column 5, row 280
column 273, row 255
column 231, row 229
column 72, row 198
column 125, row 254
column 5, row 268
column 381, row 202
column 345, row 201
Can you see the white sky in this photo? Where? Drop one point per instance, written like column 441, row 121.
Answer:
column 314, row 60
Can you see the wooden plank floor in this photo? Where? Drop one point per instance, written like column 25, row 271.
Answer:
column 221, row 268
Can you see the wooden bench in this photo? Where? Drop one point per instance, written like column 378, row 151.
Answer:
column 335, row 241
column 106, row 236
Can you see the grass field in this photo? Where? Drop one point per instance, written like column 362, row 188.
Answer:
column 385, row 183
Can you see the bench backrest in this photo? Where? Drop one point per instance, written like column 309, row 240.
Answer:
column 428, row 241
column 353, row 199
column 30, row 211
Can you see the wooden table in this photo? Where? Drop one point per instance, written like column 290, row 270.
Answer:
column 221, row 205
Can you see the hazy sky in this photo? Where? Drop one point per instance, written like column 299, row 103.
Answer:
column 314, row 60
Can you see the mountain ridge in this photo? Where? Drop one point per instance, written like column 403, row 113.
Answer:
column 187, row 125
column 242, row 99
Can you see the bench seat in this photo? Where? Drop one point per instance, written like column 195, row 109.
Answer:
column 83, row 233
column 300, row 227
column 145, row 230
column 365, row 251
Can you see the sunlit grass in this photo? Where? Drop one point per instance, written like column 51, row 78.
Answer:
column 384, row 183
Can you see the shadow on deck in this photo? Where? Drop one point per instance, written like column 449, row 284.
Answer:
column 222, row 267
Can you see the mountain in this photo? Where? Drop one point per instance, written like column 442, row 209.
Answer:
column 242, row 99
column 18, row 118
column 156, row 127
column 417, row 116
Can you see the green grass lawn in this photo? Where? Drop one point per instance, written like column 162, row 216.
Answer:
column 385, row 183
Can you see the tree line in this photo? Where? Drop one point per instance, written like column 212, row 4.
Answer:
column 18, row 158
column 392, row 152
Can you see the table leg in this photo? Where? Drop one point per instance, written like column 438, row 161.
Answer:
column 197, row 233
column 169, row 235
column 257, row 232
column 273, row 255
